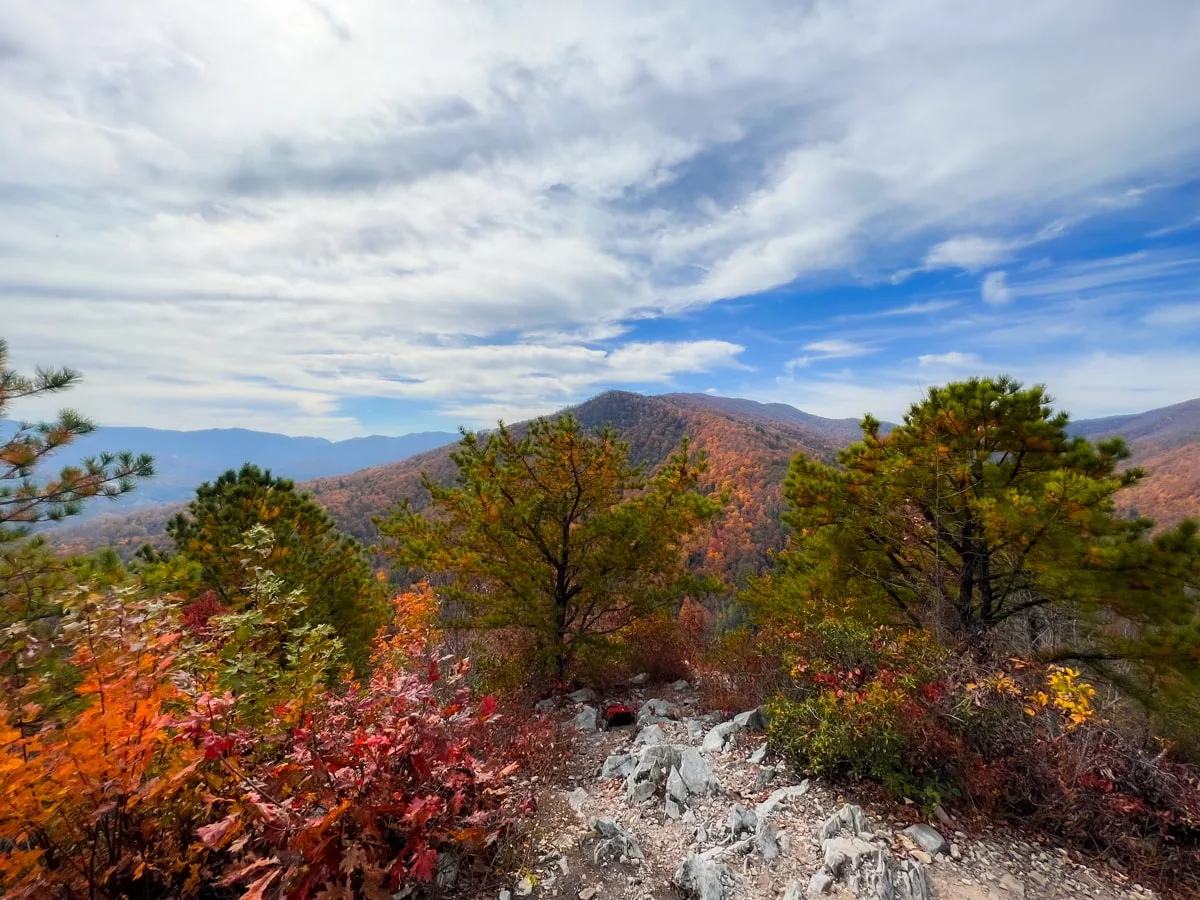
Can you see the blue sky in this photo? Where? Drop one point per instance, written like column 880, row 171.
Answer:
column 342, row 217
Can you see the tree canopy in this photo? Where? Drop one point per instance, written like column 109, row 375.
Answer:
column 307, row 553
column 553, row 532
column 981, row 512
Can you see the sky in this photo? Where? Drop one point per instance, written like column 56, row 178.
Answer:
column 344, row 217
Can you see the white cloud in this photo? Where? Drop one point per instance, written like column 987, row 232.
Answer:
column 994, row 288
column 951, row 360
column 231, row 213
column 969, row 252
column 1180, row 315
column 834, row 348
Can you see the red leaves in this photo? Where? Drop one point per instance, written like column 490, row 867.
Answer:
column 434, row 675
column 216, row 745
column 424, row 866
column 487, row 708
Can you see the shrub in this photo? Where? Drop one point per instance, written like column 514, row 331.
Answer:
column 862, row 703
column 171, row 780
column 379, row 788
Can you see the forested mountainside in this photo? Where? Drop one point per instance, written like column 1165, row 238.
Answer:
column 1166, row 442
column 749, row 446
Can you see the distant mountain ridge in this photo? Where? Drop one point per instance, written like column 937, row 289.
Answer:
column 750, row 446
column 185, row 459
column 1165, row 442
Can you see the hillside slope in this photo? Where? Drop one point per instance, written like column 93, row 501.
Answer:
column 749, row 444
column 1166, row 442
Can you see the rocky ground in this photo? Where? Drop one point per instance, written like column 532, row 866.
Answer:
column 685, row 805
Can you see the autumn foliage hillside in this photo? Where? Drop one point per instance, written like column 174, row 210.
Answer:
column 1165, row 442
column 749, row 446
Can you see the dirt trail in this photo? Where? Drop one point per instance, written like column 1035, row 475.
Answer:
column 567, row 858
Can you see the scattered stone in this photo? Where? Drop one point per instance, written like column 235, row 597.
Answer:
column 766, row 841
column 651, row 735
column 922, row 857
column 583, row 695
column 588, row 893
column 588, row 719
column 741, row 821
column 763, row 777
column 757, row 757
column 677, row 795
column 696, row 773
column 955, row 852
column 842, row 852
column 612, row 841
column 544, row 705
column 657, row 712
column 578, row 799
column 928, row 837
column 849, row 818
column 653, row 766
column 640, row 679
column 942, row 816
column 819, row 884
column 680, row 685
column 704, row 879
column 506, row 895
column 752, row 719
column 720, row 737
column 618, row 765
column 524, row 887
column 768, row 806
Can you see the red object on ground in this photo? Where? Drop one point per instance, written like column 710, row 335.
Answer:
column 617, row 714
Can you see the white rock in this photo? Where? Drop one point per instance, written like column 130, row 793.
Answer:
column 819, row 884
column 704, row 879
column 928, row 837
column 720, row 737
column 618, row 765
column 588, row 719
column 651, row 735
column 578, row 799
column 767, row 807
column 752, row 719
column 696, row 773
column 639, row 679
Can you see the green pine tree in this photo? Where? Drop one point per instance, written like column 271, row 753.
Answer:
column 554, row 533
column 308, row 553
column 982, row 519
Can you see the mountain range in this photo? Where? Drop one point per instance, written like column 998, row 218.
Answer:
column 749, row 445
column 184, row 459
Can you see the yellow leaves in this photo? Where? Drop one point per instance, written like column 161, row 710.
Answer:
column 1063, row 692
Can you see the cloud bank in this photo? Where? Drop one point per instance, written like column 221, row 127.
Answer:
column 279, row 215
